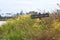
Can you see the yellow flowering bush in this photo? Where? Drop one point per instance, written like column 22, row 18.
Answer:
column 56, row 24
column 10, row 21
column 25, row 28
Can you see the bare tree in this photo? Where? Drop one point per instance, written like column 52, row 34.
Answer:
column 58, row 5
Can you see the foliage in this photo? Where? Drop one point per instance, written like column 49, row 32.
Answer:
column 25, row 28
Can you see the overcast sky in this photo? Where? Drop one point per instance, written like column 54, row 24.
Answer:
column 27, row 5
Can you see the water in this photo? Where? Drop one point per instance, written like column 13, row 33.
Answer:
column 2, row 22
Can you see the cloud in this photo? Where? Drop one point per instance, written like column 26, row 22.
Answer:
column 27, row 4
column 24, row 2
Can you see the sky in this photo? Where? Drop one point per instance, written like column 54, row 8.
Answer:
column 14, row 6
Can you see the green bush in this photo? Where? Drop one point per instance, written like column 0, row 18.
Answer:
column 25, row 28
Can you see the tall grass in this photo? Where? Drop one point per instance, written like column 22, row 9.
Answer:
column 25, row 28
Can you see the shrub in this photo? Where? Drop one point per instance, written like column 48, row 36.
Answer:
column 25, row 28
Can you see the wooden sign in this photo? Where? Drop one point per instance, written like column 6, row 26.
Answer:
column 39, row 15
